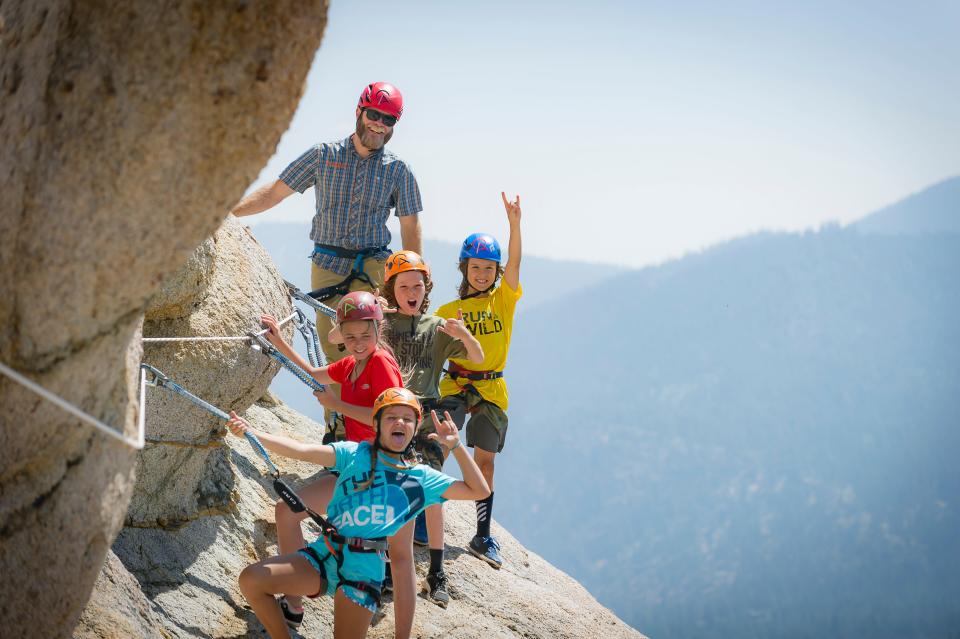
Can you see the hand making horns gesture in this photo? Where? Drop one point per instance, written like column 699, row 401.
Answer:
column 446, row 435
column 513, row 208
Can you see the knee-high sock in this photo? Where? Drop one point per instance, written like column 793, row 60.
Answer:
column 484, row 514
column 436, row 560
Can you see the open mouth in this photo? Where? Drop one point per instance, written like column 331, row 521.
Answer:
column 398, row 439
column 411, row 304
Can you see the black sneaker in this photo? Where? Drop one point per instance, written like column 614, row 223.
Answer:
column 293, row 619
column 486, row 548
column 437, row 588
column 387, row 585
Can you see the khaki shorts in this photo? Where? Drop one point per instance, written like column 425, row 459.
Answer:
column 320, row 278
column 487, row 426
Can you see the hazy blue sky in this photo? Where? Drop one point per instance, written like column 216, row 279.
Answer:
column 637, row 131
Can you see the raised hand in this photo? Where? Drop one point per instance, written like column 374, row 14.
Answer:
column 455, row 327
column 384, row 304
column 513, row 208
column 446, row 435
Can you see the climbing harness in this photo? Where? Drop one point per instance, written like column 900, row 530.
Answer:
column 287, row 494
column 356, row 273
column 363, row 586
column 455, row 372
column 61, row 403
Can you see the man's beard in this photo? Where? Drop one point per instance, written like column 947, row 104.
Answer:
column 370, row 141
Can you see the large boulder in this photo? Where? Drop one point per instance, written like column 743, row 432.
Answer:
column 221, row 292
column 127, row 133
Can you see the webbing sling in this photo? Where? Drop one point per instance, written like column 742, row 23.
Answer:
column 356, row 273
column 299, row 295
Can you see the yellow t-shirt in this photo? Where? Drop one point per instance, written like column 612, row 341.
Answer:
column 490, row 319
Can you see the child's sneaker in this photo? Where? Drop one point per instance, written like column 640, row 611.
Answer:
column 486, row 548
column 437, row 588
column 420, row 536
column 293, row 619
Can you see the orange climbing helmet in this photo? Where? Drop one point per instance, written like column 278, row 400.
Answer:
column 358, row 305
column 402, row 261
column 396, row 397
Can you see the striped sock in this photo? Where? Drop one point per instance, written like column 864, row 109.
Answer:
column 484, row 514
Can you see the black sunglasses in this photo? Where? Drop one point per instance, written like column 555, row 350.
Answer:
column 376, row 116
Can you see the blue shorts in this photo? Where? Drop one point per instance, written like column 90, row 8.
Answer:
column 327, row 567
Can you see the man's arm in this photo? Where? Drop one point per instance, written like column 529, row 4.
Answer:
column 266, row 197
column 410, row 233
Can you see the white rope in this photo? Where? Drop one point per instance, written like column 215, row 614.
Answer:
column 79, row 414
column 213, row 338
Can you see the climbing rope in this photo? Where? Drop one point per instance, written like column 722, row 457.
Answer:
column 259, row 343
column 159, row 380
column 58, row 401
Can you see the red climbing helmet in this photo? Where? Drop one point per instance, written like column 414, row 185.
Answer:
column 382, row 96
column 358, row 305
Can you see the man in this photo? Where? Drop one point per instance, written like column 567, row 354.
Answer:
column 356, row 183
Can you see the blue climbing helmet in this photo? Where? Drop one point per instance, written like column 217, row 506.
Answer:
column 481, row 246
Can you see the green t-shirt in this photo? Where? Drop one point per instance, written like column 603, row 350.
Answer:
column 421, row 350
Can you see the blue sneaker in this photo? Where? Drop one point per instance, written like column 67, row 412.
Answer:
column 486, row 548
column 420, row 536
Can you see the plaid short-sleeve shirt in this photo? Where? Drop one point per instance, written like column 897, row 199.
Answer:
column 354, row 196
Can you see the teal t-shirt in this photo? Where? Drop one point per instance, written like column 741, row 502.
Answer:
column 394, row 498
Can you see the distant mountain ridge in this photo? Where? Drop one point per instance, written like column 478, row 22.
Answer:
column 935, row 209
column 756, row 440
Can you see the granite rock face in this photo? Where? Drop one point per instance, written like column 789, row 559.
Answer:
column 222, row 290
column 127, row 133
